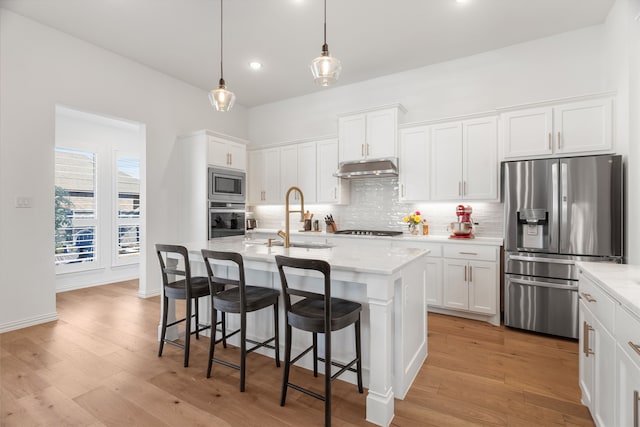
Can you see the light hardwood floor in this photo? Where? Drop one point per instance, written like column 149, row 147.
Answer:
column 97, row 366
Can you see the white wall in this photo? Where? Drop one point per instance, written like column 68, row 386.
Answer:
column 622, row 32
column 42, row 67
column 565, row 65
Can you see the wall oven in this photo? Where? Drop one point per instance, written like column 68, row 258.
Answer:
column 226, row 219
column 227, row 186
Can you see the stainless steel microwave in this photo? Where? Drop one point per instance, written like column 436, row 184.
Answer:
column 227, row 185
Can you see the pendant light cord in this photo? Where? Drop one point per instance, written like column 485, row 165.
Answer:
column 325, row 47
column 221, row 44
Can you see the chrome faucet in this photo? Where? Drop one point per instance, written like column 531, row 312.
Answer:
column 289, row 212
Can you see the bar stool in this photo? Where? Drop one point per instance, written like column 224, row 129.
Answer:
column 317, row 313
column 188, row 289
column 240, row 299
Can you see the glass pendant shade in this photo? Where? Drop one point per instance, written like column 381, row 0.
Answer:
column 221, row 98
column 325, row 69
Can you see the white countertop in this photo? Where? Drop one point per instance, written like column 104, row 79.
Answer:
column 430, row 238
column 350, row 257
column 621, row 281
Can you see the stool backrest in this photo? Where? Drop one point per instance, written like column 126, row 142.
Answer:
column 306, row 264
column 217, row 284
column 172, row 268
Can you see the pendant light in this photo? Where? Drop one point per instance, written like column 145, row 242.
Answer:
column 325, row 68
column 221, row 98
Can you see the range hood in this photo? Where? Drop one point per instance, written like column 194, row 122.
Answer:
column 373, row 168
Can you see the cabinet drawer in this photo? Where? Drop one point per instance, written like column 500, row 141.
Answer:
column 628, row 333
column 471, row 252
column 598, row 302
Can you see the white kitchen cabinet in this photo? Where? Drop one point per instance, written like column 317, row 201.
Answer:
column 434, row 282
column 570, row 128
column 627, row 335
column 371, row 134
column 464, row 160
column 227, row 154
column 264, row 177
column 330, row 189
column 298, row 168
column 413, row 163
column 470, row 285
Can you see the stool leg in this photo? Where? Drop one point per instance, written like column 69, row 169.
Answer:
column 224, row 329
column 287, row 362
column 358, row 354
column 276, row 325
column 195, row 301
column 187, row 333
column 315, row 354
column 163, row 332
column 327, row 378
column 243, row 347
column 212, row 343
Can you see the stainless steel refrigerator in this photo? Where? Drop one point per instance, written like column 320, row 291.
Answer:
column 557, row 211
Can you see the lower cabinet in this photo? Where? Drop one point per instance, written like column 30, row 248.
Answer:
column 470, row 285
column 627, row 368
column 434, row 282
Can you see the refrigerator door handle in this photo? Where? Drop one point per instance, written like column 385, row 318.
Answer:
column 554, row 237
column 540, row 259
column 544, row 284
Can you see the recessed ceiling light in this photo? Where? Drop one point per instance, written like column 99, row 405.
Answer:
column 255, row 65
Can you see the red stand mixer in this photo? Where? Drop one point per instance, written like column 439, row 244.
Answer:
column 463, row 229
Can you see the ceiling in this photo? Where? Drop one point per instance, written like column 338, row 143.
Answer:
column 372, row 38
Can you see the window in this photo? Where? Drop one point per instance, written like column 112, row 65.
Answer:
column 128, row 209
column 75, row 207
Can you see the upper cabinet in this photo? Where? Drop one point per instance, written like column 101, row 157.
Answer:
column 330, row 188
column 569, row 128
column 371, row 134
column 264, row 177
column 413, row 163
column 298, row 168
column 464, row 160
column 226, row 153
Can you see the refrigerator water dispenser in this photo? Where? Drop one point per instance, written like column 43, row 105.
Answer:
column 533, row 225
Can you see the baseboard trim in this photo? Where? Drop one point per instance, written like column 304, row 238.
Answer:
column 25, row 323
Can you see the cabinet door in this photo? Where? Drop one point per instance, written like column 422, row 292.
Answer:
column 586, row 358
column 272, row 191
column 351, row 130
column 307, row 174
column 255, row 177
column 414, row 161
column 381, row 134
column 330, row 188
column 446, row 161
column 583, row 126
column 217, row 154
column 237, row 156
column 434, row 282
column 289, row 169
column 483, row 286
column 604, row 347
column 527, row 132
column 480, row 159
column 628, row 393
column 455, row 288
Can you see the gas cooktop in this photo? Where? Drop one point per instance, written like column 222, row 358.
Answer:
column 369, row 232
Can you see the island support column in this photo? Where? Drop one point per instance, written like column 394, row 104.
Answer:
column 380, row 399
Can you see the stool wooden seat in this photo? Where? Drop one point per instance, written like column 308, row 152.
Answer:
column 234, row 296
column 317, row 313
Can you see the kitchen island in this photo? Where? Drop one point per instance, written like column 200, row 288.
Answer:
column 389, row 282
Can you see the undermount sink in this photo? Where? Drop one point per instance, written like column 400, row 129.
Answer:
column 306, row 245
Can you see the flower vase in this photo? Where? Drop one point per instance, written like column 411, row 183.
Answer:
column 413, row 229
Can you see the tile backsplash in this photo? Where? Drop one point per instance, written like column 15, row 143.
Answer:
column 375, row 206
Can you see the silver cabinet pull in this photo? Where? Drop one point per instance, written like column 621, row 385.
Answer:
column 585, row 339
column 402, row 189
column 468, row 253
column 636, row 399
column 465, row 273
column 335, row 193
column 559, row 144
column 361, row 150
column 470, row 273
column 459, row 188
column 549, row 140
column 635, row 347
column 588, row 297
column 230, row 158
column 464, row 188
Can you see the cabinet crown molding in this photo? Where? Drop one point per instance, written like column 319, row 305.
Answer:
column 552, row 102
column 397, row 105
column 207, row 132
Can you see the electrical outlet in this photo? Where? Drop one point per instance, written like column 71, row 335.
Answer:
column 23, row 202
